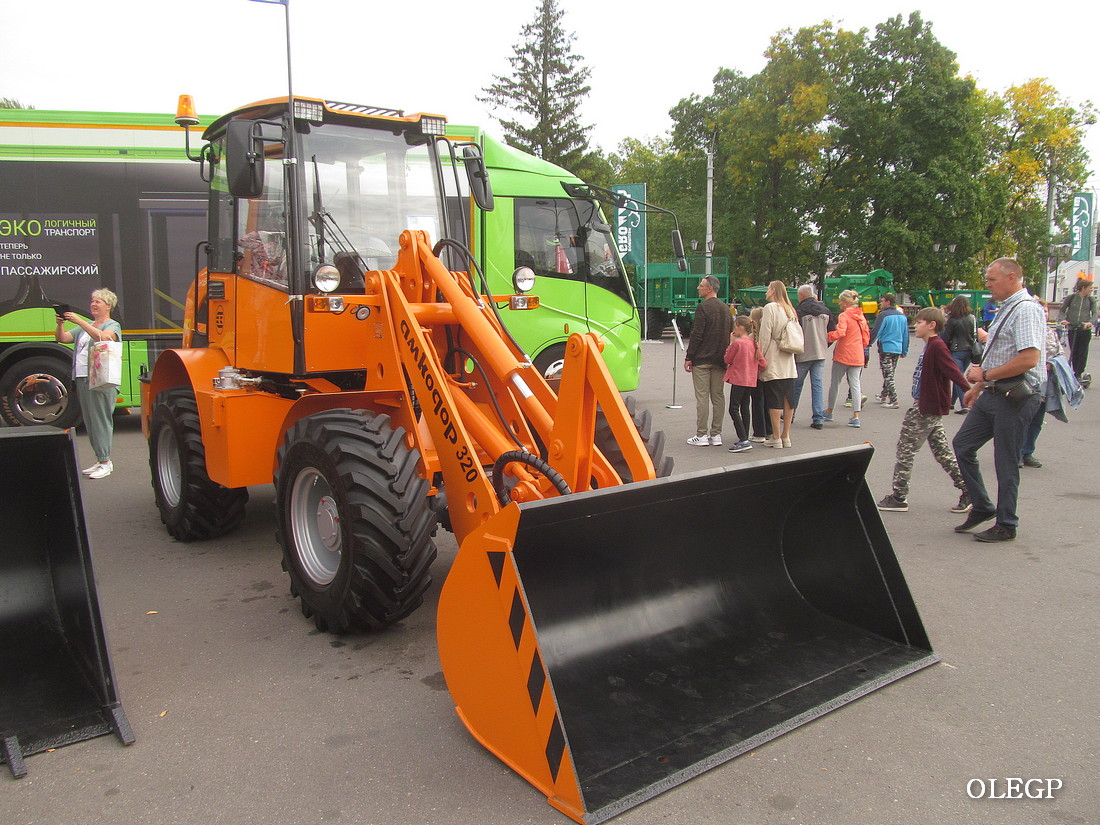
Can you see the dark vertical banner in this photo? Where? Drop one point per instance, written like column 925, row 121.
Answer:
column 630, row 225
column 1081, row 223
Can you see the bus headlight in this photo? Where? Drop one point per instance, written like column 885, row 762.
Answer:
column 326, row 278
column 523, row 279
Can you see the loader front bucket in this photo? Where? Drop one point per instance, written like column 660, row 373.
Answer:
column 56, row 682
column 611, row 645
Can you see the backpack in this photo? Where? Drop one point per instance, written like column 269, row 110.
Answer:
column 791, row 338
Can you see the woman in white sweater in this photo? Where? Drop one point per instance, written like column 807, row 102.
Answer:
column 778, row 377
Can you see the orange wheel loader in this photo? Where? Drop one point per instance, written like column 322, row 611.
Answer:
column 606, row 630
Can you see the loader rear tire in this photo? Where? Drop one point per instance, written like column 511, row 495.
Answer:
column 354, row 520
column 654, row 441
column 192, row 507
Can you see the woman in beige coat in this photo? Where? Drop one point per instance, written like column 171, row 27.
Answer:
column 778, row 377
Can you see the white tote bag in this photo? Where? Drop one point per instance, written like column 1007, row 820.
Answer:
column 105, row 365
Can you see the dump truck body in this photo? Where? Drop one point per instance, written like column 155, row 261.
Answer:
column 668, row 294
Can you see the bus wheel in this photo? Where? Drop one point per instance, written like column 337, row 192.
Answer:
column 354, row 520
column 191, row 506
column 550, row 363
column 39, row 390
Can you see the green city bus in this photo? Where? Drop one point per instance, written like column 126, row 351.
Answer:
column 109, row 199
column 580, row 279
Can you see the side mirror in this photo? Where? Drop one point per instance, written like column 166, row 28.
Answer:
column 678, row 250
column 244, row 159
column 478, row 176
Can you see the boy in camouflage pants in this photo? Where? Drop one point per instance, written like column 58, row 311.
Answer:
column 935, row 372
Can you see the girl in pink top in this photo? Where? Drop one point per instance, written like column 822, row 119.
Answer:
column 743, row 364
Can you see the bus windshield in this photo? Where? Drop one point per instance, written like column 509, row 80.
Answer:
column 366, row 187
column 567, row 238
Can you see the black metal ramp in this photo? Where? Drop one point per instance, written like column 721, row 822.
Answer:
column 685, row 620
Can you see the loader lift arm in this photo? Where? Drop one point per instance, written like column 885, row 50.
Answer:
column 466, row 435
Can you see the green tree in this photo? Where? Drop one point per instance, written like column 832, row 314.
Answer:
column 909, row 152
column 1035, row 161
column 12, row 103
column 543, row 93
column 675, row 181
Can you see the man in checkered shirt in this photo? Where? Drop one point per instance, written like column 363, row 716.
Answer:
column 1015, row 347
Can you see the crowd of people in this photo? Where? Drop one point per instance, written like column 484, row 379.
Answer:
column 1006, row 372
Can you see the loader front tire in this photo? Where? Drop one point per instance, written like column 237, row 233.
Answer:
column 192, row 507
column 654, row 441
column 354, row 520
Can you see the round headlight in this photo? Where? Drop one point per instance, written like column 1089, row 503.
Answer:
column 326, row 278
column 523, row 279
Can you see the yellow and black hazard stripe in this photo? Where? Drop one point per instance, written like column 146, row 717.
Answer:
column 518, row 619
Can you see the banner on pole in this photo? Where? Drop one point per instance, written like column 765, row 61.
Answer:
column 630, row 225
column 1081, row 224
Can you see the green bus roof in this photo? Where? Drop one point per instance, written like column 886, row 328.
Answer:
column 39, row 134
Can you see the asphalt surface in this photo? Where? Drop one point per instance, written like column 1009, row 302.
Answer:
column 245, row 714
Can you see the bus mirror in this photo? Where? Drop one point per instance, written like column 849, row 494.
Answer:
column 244, row 159
column 678, row 250
column 478, row 176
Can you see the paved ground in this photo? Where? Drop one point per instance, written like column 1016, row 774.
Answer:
column 244, row 714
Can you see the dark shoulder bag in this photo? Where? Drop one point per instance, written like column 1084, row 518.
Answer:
column 1015, row 388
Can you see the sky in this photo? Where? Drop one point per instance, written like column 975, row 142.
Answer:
column 436, row 56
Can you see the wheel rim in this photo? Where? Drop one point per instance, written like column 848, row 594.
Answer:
column 315, row 526
column 169, row 472
column 41, row 398
column 554, row 370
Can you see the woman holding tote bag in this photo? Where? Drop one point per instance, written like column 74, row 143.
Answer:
column 97, row 405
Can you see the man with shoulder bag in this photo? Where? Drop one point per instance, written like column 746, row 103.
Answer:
column 1007, row 390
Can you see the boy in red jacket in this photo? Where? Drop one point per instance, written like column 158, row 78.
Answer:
column 935, row 372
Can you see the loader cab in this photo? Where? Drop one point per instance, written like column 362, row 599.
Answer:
column 303, row 207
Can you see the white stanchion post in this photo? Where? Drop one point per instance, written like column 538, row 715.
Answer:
column 676, row 365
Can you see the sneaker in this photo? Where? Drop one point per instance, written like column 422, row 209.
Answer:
column 863, row 400
column 1031, row 461
column 102, row 471
column 88, row 471
column 817, row 425
column 759, row 439
column 975, row 518
column 740, row 447
column 773, row 442
column 890, row 405
column 827, row 417
column 996, row 533
column 963, row 506
column 699, row 441
column 854, row 423
column 961, row 411
column 716, row 441
column 786, row 442
column 893, row 505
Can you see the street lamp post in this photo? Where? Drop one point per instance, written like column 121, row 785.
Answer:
column 945, row 251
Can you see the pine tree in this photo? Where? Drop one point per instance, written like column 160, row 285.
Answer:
column 12, row 103
column 545, row 89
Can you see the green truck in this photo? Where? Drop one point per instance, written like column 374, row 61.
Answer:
column 943, row 297
column 665, row 293
column 870, row 287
